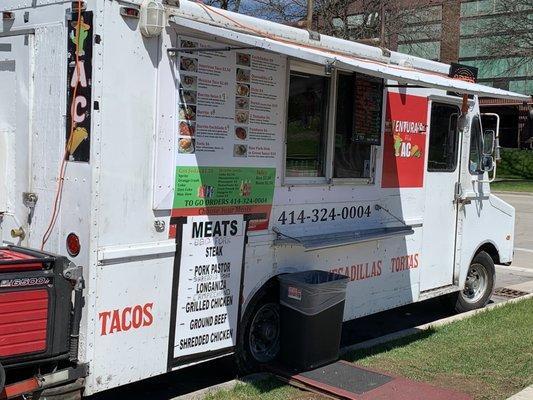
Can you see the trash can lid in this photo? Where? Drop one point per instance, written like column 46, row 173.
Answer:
column 312, row 277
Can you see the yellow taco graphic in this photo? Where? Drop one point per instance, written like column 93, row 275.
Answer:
column 78, row 135
column 415, row 151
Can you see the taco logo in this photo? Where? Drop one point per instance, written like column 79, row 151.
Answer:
column 79, row 62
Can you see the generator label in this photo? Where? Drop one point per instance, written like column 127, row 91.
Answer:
column 405, row 141
column 209, row 284
column 79, row 82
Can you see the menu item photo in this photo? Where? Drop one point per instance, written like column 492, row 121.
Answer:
column 243, row 90
column 243, row 59
column 243, row 75
column 240, row 150
column 240, row 132
column 188, row 112
column 187, row 128
column 241, row 117
column 189, row 44
column 186, row 146
column 242, row 103
column 188, row 82
column 188, row 97
column 189, row 64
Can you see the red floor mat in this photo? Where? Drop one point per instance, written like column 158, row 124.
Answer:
column 346, row 380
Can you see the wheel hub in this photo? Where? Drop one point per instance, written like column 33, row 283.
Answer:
column 476, row 283
column 264, row 333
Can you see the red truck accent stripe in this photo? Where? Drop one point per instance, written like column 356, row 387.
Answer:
column 23, row 322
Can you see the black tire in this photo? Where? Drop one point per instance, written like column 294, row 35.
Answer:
column 265, row 303
column 2, row 378
column 481, row 272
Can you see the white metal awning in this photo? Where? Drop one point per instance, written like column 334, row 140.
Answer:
column 401, row 74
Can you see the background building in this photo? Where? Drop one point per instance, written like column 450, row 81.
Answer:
column 496, row 36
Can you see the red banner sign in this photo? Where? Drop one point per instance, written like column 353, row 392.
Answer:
column 405, row 141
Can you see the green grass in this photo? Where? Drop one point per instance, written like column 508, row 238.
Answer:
column 512, row 186
column 489, row 356
column 269, row 389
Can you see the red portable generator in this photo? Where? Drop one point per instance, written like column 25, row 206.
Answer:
column 39, row 315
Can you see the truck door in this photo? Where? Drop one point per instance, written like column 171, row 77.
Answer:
column 440, row 215
column 15, row 100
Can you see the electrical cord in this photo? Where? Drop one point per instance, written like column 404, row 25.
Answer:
column 62, row 170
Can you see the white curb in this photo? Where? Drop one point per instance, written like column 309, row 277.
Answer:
column 526, row 394
column 202, row 393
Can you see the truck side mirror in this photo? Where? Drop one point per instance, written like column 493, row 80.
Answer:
column 487, row 163
column 489, row 138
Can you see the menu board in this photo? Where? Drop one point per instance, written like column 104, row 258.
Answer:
column 368, row 110
column 230, row 116
column 209, row 284
column 229, row 105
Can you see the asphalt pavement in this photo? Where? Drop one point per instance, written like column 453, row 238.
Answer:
column 523, row 241
column 518, row 276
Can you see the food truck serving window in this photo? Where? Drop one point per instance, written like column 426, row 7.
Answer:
column 307, row 125
column 333, row 124
column 357, row 124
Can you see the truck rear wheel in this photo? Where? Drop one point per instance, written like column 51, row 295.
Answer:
column 2, row 378
column 479, row 284
column 259, row 335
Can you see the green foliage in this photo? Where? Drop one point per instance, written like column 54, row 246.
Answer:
column 516, row 163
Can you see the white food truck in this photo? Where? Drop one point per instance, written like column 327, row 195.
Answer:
column 182, row 157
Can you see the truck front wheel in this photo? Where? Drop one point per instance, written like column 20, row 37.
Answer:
column 479, row 284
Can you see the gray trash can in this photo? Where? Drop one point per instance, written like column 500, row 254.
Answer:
column 311, row 310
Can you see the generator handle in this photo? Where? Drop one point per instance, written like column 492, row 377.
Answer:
column 74, row 273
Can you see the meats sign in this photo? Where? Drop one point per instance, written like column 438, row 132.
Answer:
column 209, row 284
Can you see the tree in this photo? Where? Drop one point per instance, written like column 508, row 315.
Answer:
column 231, row 5
column 375, row 21
column 507, row 36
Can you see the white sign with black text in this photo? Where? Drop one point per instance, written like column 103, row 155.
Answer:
column 209, row 284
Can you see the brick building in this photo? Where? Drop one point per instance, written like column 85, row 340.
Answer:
column 461, row 31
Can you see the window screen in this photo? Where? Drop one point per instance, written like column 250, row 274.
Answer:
column 357, row 124
column 306, row 125
column 443, row 138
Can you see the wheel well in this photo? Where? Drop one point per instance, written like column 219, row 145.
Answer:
column 491, row 250
column 270, row 287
